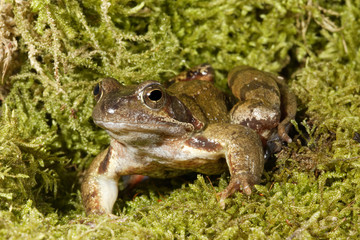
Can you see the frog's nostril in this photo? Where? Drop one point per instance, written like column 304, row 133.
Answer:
column 155, row 95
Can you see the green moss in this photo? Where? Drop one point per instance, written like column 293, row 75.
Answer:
column 47, row 137
column 338, row 84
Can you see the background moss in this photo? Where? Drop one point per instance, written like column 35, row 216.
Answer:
column 53, row 52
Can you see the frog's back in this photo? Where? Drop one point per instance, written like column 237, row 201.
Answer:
column 204, row 100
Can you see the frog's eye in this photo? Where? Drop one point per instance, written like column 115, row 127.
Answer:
column 97, row 91
column 154, row 96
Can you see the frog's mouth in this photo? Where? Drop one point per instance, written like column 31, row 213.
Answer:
column 160, row 128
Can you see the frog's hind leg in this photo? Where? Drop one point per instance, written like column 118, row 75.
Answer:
column 259, row 100
column 258, row 115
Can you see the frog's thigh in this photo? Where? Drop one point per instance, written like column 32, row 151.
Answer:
column 99, row 188
column 257, row 114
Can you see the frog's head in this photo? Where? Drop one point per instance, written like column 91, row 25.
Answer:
column 141, row 111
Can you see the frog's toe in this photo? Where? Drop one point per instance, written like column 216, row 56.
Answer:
column 242, row 182
column 235, row 185
column 283, row 130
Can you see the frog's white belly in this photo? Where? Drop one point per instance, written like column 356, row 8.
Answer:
column 170, row 159
column 178, row 153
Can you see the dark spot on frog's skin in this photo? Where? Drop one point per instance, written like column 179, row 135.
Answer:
column 178, row 111
column 201, row 142
column 253, row 85
column 105, row 162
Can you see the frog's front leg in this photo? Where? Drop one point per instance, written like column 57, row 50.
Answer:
column 244, row 156
column 99, row 188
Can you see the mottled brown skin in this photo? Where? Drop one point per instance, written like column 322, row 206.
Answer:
column 163, row 133
column 265, row 102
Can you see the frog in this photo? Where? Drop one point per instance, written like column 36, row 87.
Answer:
column 189, row 126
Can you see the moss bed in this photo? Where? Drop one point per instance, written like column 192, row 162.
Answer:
column 53, row 52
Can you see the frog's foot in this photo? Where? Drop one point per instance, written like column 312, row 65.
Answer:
column 275, row 142
column 244, row 182
column 239, row 182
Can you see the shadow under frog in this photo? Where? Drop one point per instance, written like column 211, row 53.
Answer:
column 164, row 132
